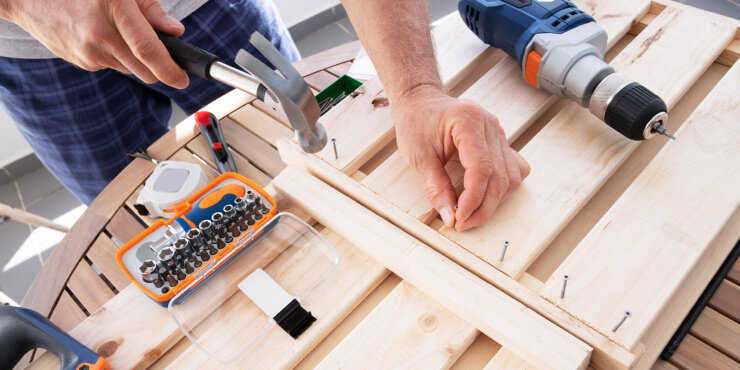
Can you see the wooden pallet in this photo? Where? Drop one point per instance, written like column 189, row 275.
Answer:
column 396, row 302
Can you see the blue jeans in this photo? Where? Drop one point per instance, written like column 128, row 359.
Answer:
column 82, row 124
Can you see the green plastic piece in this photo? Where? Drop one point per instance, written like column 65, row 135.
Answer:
column 344, row 84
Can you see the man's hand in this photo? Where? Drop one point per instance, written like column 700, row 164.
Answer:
column 431, row 128
column 98, row 34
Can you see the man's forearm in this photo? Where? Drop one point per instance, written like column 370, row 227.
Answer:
column 397, row 37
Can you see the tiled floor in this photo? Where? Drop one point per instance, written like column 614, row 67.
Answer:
column 23, row 249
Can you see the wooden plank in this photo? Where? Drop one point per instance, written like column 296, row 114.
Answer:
column 501, row 90
column 727, row 300
column 261, row 124
column 718, row 331
column 320, row 80
column 576, row 153
column 328, row 58
column 606, row 354
column 362, row 123
column 88, row 287
column 502, row 318
column 407, row 330
column 259, row 153
column 199, row 146
column 505, row 359
column 665, row 325
column 663, row 365
column 355, row 278
column 349, row 323
column 693, row 354
column 103, row 254
column 46, row 288
column 734, row 274
column 340, row 70
column 658, row 219
column 67, row 314
column 123, row 226
column 477, row 355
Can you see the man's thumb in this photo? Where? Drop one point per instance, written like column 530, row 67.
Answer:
column 159, row 19
column 438, row 189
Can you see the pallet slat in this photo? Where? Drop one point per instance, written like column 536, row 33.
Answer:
column 658, row 249
column 258, row 152
column 505, row 359
column 407, row 330
column 103, row 254
column 492, row 312
column 199, row 146
column 356, row 277
column 123, row 226
column 261, row 124
column 320, row 80
column 734, row 274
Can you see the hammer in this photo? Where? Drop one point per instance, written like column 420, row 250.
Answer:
column 288, row 93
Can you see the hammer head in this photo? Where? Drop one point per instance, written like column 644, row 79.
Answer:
column 288, row 92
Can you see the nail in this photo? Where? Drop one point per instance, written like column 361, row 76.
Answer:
column 172, row 22
column 446, row 216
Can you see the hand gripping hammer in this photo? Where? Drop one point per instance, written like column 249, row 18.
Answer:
column 288, row 93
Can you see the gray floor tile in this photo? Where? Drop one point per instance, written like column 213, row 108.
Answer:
column 13, row 235
column 25, row 165
column 16, row 281
column 9, row 195
column 347, row 25
column 55, row 205
column 323, row 39
column 37, row 185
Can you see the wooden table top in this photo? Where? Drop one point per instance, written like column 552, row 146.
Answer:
column 81, row 275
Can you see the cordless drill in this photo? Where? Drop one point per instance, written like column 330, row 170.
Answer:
column 561, row 50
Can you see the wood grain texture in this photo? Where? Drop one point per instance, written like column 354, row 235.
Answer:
column 576, row 152
column 658, row 222
column 259, row 153
column 123, row 226
column 663, row 365
column 47, row 287
column 340, row 70
column 491, row 311
column 103, row 254
column 408, row 330
column 718, row 331
column 505, row 359
column 199, row 146
column 261, row 124
column 320, row 80
column 727, row 300
column 67, row 313
column 355, row 278
column 694, row 354
column 478, row 354
column 606, row 354
column 88, row 287
column 734, row 274
column 328, row 58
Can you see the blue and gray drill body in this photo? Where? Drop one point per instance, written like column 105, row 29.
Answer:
column 561, row 50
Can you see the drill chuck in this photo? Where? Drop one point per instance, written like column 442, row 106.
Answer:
column 629, row 108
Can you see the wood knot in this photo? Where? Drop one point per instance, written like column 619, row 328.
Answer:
column 110, row 347
column 380, row 102
column 428, row 323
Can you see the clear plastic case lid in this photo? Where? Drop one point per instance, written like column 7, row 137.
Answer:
column 256, row 289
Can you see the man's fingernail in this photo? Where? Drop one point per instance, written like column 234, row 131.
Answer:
column 463, row 228
column 446, row 216
column 172, row 22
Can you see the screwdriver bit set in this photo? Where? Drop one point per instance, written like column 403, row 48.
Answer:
column 169, row 255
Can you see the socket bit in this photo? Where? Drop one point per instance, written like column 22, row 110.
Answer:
column 251, row 200
column 212, row 249
column 241, row 206
column 183, row 248
column 229, row 215
column 250, row 219
column 189, row 268
column 234, row 230
column 217, row 219
column 171, row 280
column 206, row 228
column 162, row 272
column 166, row 257
column 157, row 282
column 197, row 263
column 196, row 239
column 180, row 275
column 220, row 243
column 165, row 290
column 204, row 255
column 147, row 269
column 264, row 210
column 242, row 224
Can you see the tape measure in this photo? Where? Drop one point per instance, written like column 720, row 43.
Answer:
column 171, row 183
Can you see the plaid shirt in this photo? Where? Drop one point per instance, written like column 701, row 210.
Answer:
column 82, row 124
